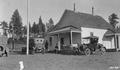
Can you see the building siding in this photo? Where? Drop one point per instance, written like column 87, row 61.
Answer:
column 108, row 44
column 1, row 31
column 52, row 43
column 97, row 32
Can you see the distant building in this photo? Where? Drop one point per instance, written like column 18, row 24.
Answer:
column 1, row 30
column 74, row 26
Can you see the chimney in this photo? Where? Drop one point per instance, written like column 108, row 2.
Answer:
column 91, row 34
column 92, row 10
column 74, row 8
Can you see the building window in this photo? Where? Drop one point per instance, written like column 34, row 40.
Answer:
column 50, row 39
column 62, row 41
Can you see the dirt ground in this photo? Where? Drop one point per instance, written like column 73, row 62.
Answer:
column 109, row 61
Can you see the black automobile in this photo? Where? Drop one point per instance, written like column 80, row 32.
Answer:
column 92, row 46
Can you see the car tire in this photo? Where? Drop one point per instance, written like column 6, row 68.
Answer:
column 87, row 52
column 1, row 53
column 103, row 50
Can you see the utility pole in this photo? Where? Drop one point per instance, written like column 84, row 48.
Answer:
column 27, row 31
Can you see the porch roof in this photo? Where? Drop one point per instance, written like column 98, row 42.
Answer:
column 115, row 31
column 66, row 29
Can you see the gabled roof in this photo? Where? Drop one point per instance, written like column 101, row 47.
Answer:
column 78, row 20
column 113, row 32
column 117, row 30
column 109, row 34
column 66, row 29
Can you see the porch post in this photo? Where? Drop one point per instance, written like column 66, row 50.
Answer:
column 59, row 42
column 71, row 37
column 116, row 42
column 111, row 44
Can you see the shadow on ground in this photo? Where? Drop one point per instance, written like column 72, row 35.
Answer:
column 52, row 52
column 47, row 52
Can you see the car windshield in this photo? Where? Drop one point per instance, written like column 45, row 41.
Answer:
column 90, row 39
column 85, row 41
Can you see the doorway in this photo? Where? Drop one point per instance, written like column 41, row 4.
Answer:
column 61, row 42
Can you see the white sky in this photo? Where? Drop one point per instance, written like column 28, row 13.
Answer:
column 55, row 8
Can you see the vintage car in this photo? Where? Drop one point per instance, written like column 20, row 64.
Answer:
column 3, row 46
column 36, row 45
column 39, row 44
column 92, row 46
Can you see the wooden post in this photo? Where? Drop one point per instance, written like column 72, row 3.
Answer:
column 59, row 43
column 71, row 37
column 116, row 43
column 111, row 44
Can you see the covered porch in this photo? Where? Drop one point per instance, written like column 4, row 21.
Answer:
column 115, row 40
column 67, row 36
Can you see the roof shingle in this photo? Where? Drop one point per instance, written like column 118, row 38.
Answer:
column 78, row 20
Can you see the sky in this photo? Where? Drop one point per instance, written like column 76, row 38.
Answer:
column 55, row 8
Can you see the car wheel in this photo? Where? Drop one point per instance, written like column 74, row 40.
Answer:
column 42, row 50
column 87, row 51
column 79, row 52
column 1, row 53
column 103, row 50
column 39, row 50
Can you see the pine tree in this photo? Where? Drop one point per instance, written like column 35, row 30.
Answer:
column 113, row 19
column 4, row 27
column 16, row 23
column 50, row 24
column 30, row 28
column 51, row 21
column 34, row 28
column 41, row 27
column 24, row 30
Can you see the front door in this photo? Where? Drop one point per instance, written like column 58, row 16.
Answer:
column 62, row 42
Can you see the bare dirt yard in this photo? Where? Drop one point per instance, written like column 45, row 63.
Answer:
column 109, row 61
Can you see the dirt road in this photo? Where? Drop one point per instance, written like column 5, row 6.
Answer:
column 110, row 61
